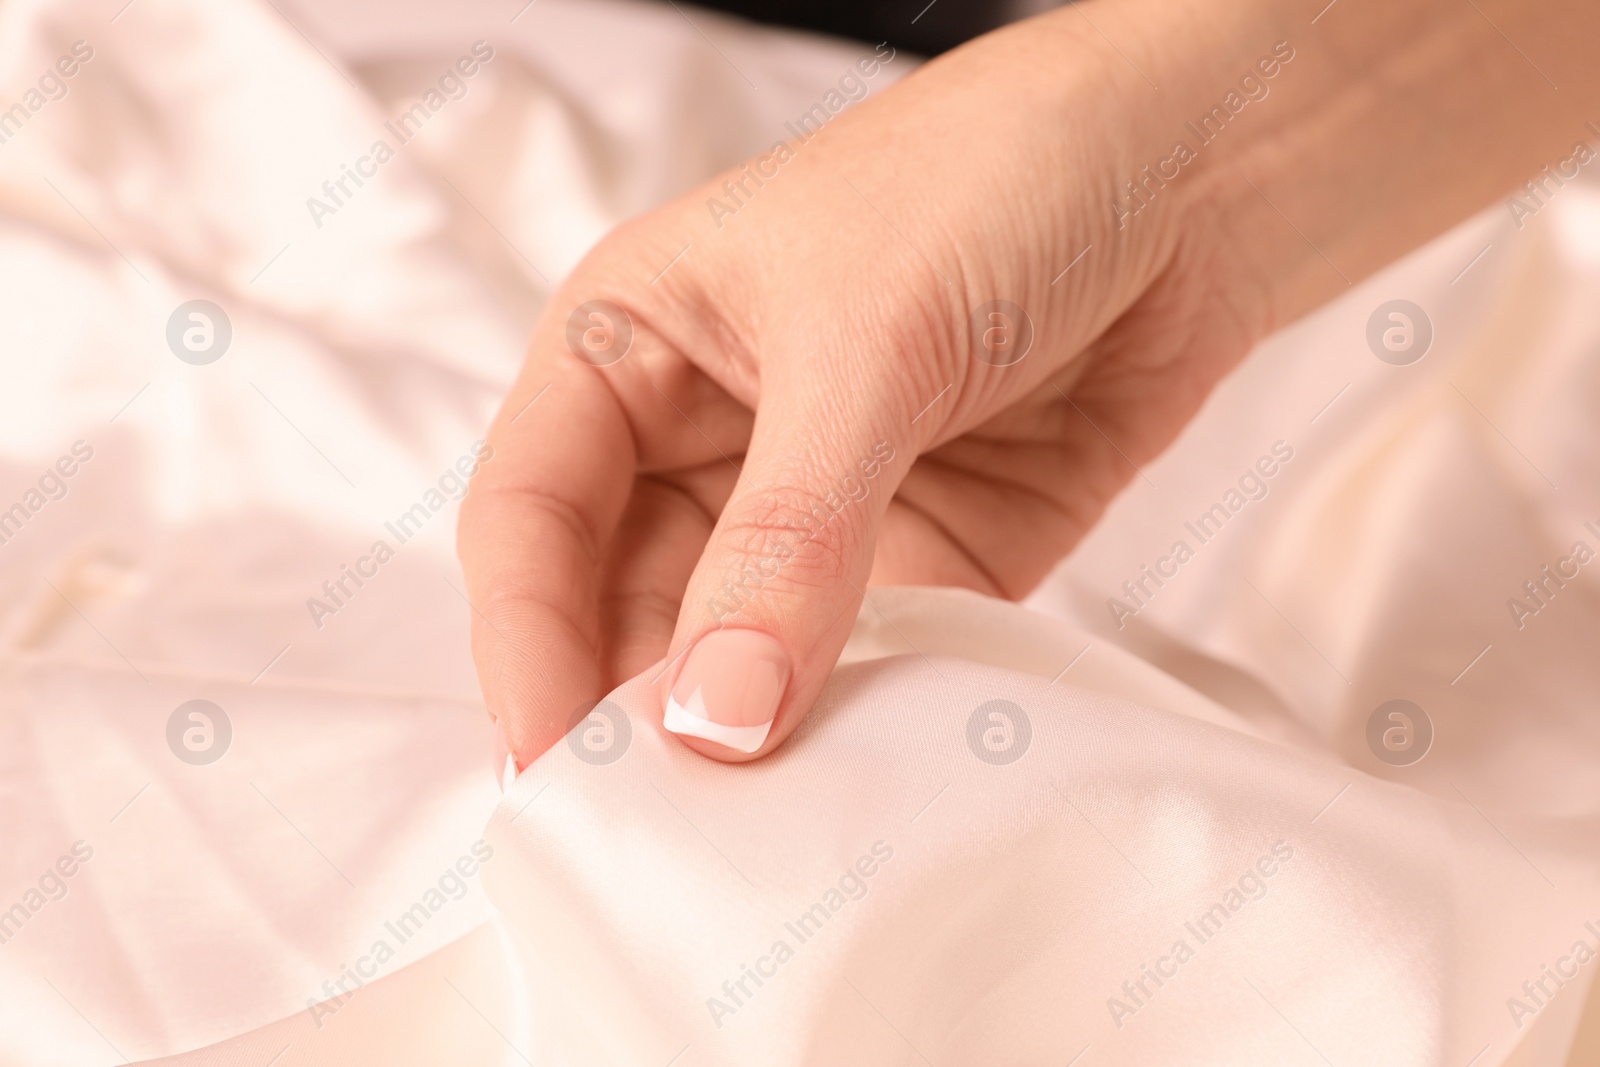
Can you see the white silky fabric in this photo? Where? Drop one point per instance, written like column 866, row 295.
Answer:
column 1005, row 904
column 1227, row 717
column 1019, row 897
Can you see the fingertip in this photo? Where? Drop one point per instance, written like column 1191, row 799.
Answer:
column 722, row 753
column 502, row 764
column 727, row 693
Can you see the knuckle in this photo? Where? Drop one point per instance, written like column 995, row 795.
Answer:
column 785, row 540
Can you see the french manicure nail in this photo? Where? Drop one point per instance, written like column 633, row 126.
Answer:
column 729, row 689
column 501, row 762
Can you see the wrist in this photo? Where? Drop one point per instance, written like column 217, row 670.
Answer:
column 1392, row 124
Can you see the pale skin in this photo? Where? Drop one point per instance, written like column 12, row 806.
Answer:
column 834, row 311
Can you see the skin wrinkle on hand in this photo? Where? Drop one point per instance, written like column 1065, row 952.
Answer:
column 1256, row 230
column 1060, row 798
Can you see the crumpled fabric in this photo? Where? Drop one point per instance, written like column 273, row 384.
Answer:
column 958, row 860
column 995, row 840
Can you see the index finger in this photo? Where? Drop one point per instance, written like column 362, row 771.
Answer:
column 531, row 537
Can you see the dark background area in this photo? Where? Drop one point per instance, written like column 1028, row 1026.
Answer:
column 912, row 25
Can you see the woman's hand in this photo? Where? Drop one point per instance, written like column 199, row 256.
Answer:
column 930, row 343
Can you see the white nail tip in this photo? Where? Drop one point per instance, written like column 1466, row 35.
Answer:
column 692, row 721
column 509, row 776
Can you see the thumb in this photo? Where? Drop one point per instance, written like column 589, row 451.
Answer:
column 776, row 592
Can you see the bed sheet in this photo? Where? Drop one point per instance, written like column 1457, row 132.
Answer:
column 189, row 556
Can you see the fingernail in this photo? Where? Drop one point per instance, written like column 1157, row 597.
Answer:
column 501, row 762
column 729, row 689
